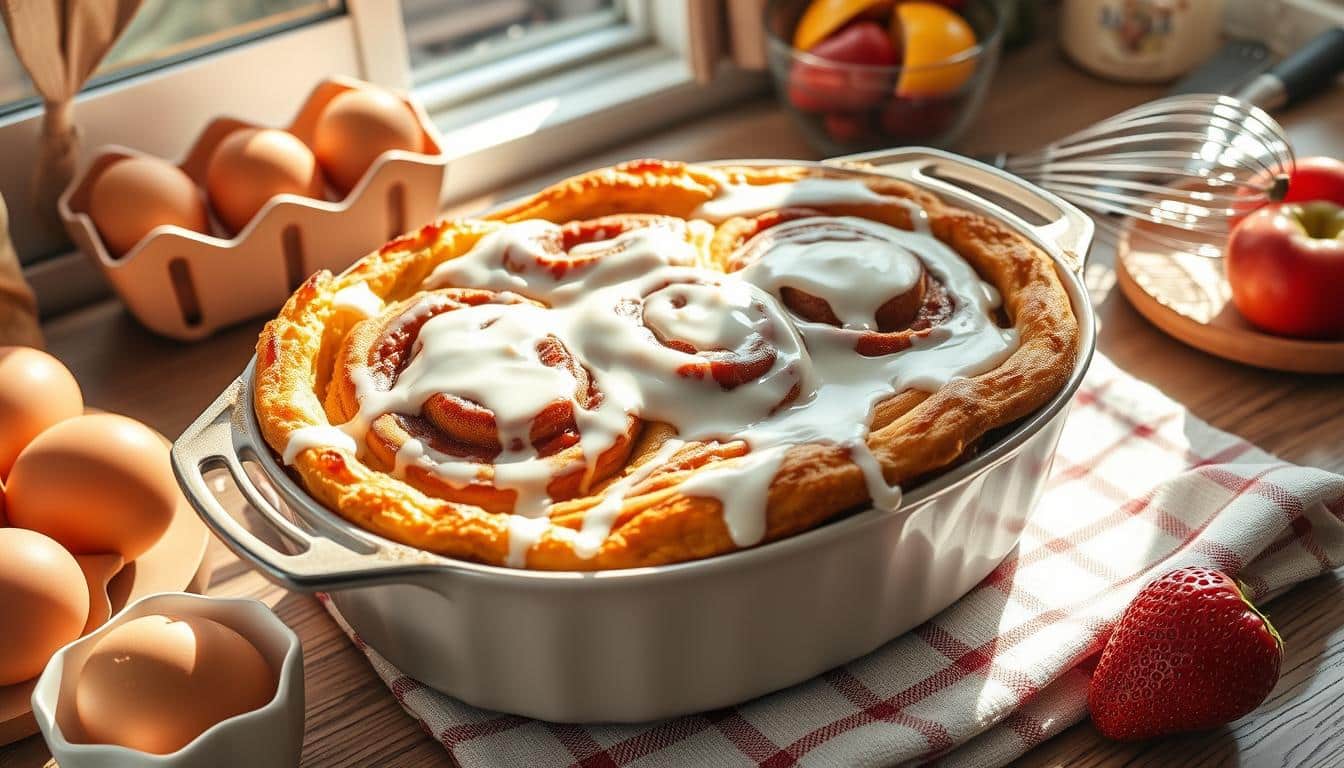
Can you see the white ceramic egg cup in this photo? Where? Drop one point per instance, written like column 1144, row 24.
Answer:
column 270, row 737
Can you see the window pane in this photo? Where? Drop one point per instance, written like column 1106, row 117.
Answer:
column 446, row 36
column 165, row 31
column 14, row 83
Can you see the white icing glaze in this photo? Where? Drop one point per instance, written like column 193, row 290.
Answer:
column 316, row 436
column 702, row 315
column 633, row 369
column 884, row 496
column 487, row 353
column 511, row 259
column 752, row 199
column 597, row 521
column 992, row 295
column 524, row 532
column 409, row 454
column 358, row 298
column 836, row 252
column 742, row 487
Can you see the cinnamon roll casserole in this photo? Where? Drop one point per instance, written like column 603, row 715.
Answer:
column 659, row 362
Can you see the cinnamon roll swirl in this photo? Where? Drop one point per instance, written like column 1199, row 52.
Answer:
column 843, row 272
column 470, row 398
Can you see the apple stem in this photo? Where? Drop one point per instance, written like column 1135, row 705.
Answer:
column 1279, row 188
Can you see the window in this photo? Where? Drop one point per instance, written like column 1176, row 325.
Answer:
column 165, row 32
column 14, row 83
column 447, row 36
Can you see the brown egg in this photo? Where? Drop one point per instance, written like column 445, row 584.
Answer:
column 44, row 602
column 356, row 127
column 157, row 682
column 97, row 484
column 136, row 194
column 3, row 520
column 36, row 391
column 251, row 166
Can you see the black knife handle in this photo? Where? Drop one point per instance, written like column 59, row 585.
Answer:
column 1313, row 67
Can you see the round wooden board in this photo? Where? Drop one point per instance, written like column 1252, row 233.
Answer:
column 176, row 563
column 1188, row 298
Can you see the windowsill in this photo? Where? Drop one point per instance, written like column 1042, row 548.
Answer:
column 509, row 135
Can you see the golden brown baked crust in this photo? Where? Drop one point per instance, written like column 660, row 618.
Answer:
column 913, row 433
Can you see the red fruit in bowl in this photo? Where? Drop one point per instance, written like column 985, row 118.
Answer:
column 1189, row 653
column 865, row 42
column 1285, row 265
column 845, row 127
column 853, row 75
column 918, row 119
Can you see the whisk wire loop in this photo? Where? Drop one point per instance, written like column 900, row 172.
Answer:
column 1190, row 164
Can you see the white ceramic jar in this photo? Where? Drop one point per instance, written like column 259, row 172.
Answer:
column 1140, row 40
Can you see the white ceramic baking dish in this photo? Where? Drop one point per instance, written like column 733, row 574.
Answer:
column 647, row 643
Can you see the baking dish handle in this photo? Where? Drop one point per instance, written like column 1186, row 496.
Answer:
column 315, row 562
column 1053, row 220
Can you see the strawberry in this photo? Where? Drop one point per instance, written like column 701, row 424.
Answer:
column 853, row 71
column 1189, row 653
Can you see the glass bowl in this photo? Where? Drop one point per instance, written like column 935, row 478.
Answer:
column 845, row 108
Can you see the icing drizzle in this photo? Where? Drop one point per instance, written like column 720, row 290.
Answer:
column 487, row 353
column 752, row 199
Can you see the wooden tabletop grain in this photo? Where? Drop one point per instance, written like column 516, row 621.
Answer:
column 353, row 720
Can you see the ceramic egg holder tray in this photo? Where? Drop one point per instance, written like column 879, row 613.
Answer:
column 176, row 563
column 1187, row 297
column 187, row 285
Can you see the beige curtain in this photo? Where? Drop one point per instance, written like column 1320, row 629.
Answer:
column 60, row 43
column 18, row 312
column 726, row 29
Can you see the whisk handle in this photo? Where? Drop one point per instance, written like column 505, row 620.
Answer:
column 1307, row 71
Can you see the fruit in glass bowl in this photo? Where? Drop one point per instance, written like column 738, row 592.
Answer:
column 867, row 74
column 817, row 86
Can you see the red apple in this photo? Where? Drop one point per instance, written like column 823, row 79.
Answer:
column 1312, row 178
column 853, row 75
column 1285, row 263
column 1316, row 178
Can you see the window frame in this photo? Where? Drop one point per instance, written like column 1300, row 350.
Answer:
column 203, row 45
column 606, row 85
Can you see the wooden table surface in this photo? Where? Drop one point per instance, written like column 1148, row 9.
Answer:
column 353, row 720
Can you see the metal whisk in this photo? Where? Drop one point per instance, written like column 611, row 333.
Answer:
column 1190, row 165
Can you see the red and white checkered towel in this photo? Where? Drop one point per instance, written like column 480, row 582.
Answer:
column 1139, row 486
